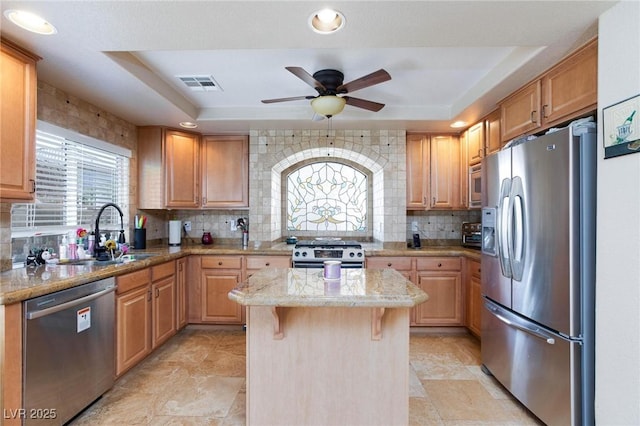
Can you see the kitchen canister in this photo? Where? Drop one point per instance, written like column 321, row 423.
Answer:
column 332, row 269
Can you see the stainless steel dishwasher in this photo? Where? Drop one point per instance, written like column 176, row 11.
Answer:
column 68, row 351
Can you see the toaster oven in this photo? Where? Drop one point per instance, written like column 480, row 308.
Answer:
column 471, row 235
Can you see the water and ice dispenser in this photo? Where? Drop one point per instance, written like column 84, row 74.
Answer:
column 489, row 231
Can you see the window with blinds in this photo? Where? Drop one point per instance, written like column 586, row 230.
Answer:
column 73, row 180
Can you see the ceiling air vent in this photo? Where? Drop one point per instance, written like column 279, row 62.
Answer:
column 200, row 83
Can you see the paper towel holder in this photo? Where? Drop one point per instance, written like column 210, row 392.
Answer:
column 175, row 233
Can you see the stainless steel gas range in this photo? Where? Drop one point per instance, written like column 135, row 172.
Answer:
column 313, row 253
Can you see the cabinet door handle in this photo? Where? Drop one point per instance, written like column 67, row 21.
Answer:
column 149, row 295
column 219, row 263
column 180, row 266
column 439, row 265
column 544, row 111
column 533, row 116
column 204, row 200
column 389, row 265
column 33, row 186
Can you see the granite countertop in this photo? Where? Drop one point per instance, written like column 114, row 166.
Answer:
column 21, row 284
column 288, row 287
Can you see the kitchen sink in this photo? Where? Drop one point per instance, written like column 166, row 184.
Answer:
column 93, row 262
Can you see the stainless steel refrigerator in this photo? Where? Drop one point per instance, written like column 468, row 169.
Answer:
column 538, row 273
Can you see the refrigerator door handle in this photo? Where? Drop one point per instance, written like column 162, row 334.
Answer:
column 516, row 228
column 502, row 227
column 517, row 323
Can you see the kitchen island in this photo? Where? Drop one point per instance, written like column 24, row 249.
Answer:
column 327, row 351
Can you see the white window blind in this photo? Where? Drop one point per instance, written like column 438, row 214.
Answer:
column 73, row 181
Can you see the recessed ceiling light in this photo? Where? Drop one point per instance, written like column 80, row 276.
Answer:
column 188, row 125
column 30, row 22
column 458, row 124
column 326, row 21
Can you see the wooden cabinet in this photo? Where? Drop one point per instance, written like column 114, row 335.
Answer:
column 225, row 171
column 417, row 171
column 464, row 170
column 474, row 297
column 475, row 143
column 18, row 87
column 133, row 319
column 445, row 172
column 441, row 279
column 566, row 91
column 218, row 276
column 163, row 290
column 571, row 87
column 168, row 171
column 255, row 263
column 520, row 112
column 433, row 172
column 145, row 313
column 181, row 293
column 404, row 265
column 492, row 141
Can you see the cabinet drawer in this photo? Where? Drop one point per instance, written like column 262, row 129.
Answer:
column 221, row 262
column 133, row 280
column 439, row 264
column 259, row 262
column 397, row 263
column 164, row 270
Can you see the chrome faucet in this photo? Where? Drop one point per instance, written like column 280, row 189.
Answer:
column 98, row 250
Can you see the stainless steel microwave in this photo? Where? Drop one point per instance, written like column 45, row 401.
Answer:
column 475, row 186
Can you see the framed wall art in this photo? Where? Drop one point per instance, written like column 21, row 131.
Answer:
column 621, row 127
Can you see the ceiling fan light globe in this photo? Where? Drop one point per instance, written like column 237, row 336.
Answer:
column 328, row 105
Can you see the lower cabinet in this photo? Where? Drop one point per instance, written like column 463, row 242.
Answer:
column 255, row 263
column 474, row 297
column 218, row 276
column 181, row 293
column 441, row 279
column 145, row 313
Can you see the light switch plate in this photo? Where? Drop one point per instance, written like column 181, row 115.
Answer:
column 187, row 226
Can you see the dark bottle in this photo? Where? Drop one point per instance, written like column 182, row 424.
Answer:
column 207, row 238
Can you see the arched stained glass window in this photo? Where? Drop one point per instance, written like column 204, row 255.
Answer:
column 326, row 196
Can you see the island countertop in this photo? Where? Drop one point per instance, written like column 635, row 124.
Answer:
column 301, row 287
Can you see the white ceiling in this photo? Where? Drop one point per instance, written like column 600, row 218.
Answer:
column 447, row 59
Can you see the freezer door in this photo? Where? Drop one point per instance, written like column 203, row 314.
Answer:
column 496, row 185
column 540, row 368
column 544, row 231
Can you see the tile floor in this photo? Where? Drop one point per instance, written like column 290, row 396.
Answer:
column 197, row 378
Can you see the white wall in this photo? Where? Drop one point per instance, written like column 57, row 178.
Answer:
column 618, row 235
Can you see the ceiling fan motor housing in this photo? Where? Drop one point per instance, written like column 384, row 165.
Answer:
column 330, row 79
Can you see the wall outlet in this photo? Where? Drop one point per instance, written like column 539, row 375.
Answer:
column 187, row 226
column 232, row 226
column 414, row 226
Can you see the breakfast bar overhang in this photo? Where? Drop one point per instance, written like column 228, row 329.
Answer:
column 323, row 352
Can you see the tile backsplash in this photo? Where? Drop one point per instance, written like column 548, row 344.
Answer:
column 439, row 225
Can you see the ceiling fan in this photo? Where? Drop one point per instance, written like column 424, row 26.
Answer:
column 329, row 84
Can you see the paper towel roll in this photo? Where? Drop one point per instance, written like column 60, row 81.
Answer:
column 175, row 231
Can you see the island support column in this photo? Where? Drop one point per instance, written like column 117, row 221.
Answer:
column 327, row 365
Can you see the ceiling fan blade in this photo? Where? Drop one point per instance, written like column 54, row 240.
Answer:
column 295, row 98
column 306, row 77
column 374, row 78
column 363, row 103
column 317, row 117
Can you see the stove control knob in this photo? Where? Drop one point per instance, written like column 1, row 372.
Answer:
column 352, row 254
column 296, row 254
column 304, row 254
column 360, row 254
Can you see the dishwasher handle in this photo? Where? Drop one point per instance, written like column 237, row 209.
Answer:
column 69, row 304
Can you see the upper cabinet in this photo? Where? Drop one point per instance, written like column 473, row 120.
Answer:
column 168, row 172
column 417, row 171
column 18, row 87
column 433, row 172
column 194, row 172
column 475, row 143
column 566, row 91
column 225, row 171
column 492, row 141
